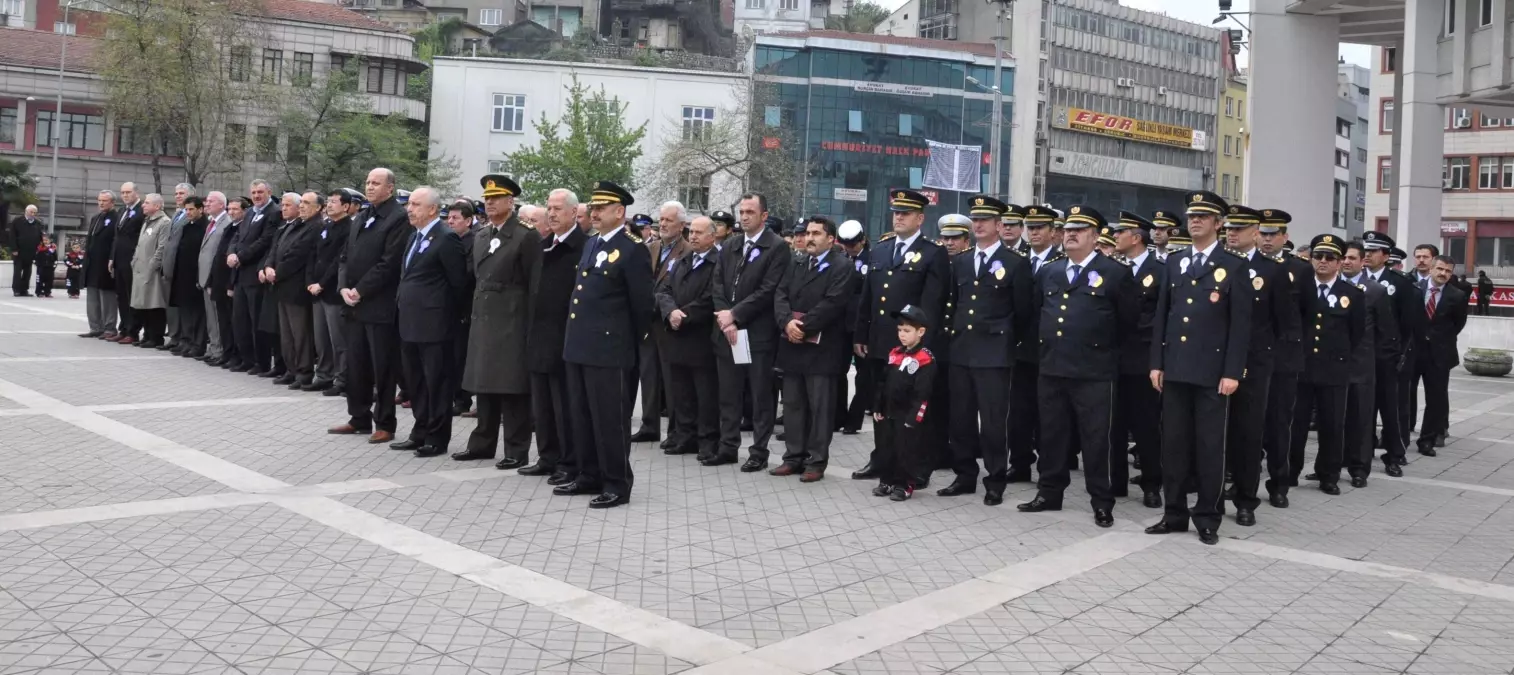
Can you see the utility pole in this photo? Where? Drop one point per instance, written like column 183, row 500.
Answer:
column 996, row 133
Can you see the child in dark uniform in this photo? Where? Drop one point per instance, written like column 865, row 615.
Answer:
column 47, row 260
column 73, row 279
column 899, row 412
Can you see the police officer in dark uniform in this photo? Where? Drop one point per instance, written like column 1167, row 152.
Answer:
column 853, row 239
column 1337, row 322
column 1379, row 344
column 1012, row 228
column 1274, row 314
column 1198, row 358
column 906, row 269
column 611, row 312
column 1405, row 305
column 992, row 306
column 1166, row 223
column 1023, row 406
column 1288, row 354
column 1087, row 305
column 1138, row 407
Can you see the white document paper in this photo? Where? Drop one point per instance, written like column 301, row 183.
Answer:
column 741, row 352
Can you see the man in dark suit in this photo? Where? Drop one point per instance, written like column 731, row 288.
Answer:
column 1445, row 308
column 1087, row 303
column 183, row 283
column 1273, row 315
column 1198, row 357
column 751, row 268
column 907, row 269
column 100, row 301
column 1379, row 344
column 1024, row 405
column 672, row 218
column 993, row 290
column 611, row 311
column 1288, row 355
column 128, row 231
column 686, row 307
column 222, row 283
column 369, row 280
column 1406, row 302
column 1138, row 407
column 326, row 299
column 551, row 410
column 506, row 261
column 249, row 246
column 431, row 284
column 23, row 238
column 286, row 267
column 460, row 220
column 1336, row 322
column 811, row 306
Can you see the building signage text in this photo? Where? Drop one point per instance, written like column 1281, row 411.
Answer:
column 1088, row 121
column 1453, row 227
column 900, row 150
column 889, row 88
column 849, row 195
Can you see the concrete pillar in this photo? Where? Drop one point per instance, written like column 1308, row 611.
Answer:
column 1419, row 128
column 1290, row 110
column 1024, row 44
column 1398, row 95
column 23, row 142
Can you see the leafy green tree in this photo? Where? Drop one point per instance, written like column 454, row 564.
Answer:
column 863, row 17
column 17, row 189
column 595, row 145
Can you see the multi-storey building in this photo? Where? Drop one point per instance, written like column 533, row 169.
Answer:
column 1353, row 86
column 1230, row 142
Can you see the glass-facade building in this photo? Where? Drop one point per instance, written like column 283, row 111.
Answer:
column 861, row 110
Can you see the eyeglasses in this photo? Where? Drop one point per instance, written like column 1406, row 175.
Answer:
column 1325, row 256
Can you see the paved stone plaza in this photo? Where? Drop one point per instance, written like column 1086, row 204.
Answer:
column 158, row 516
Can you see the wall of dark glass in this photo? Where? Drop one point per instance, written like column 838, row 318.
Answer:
column 1110, row 198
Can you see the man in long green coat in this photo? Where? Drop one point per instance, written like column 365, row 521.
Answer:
column 506, row 258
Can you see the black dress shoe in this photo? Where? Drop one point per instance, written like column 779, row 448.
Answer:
column 753, row 465
column 576, row 488
column 1103, row 518
column 1278, row 500
column 867, row 472
column 92, row 334
column 334, row 391
column 1152, row 500
column 471, row 455
column 644, row 436
column 781, row 436
column 1394, row 470
column 1229, row 492
column 1358, row 481
column 316, row 385
column 429, row 451
column 237, row 367
column 1440, row 440
column 958, row 487
column 1038, row 505
column 1135, row 480
column 883, row 490
column 560, row 477
column 298, row 385
column 849, row 431
column 685, row 450
column 537, row 469
column 510, row 463
column 285, row 379
column 1245, row 517
column 1312, row 476
column 666, row 444
column 717, row 461
column 407, row 444
column 1208, row 536
column 1017, row 476
column 609, row 500
column 1330, row 488
column 1164, row 528
column 993, row 496
column 1426, row 450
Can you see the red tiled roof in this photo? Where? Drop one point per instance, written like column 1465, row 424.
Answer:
column 978, row 48
column 322, row 13
column 38, row 49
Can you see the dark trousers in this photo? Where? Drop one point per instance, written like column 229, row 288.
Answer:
column 1082, row 409
column 1277, row 438
column 1194, row 417
column 1437, row 419
column 549, row 417
column 247, row 306
column 44, row 279
column 601, row 420
column 979, row 415
column 131, row 324
column 21, row 273
column 1244, row 433
column 1482, row 305
column 754, row 379
column 1327, row 402
column 650, row 375
column 192, row 324
column 862, row 401
column 1386, row 400
column 372, row 352
column 154, row 323
column 1359, row 426
column 460, row 397
column 1025, row 438
column 1138, row 414
column 225, row 310
column 1408, row 399
column 511, row 413
column 297, row 340
column 695, row 394
column 902, row 456
column 428, row 372
column 809, row 403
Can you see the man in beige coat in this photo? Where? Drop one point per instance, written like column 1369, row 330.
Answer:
column 149, row 286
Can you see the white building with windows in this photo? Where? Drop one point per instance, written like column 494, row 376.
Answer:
column 778, row 16
column 486, row 109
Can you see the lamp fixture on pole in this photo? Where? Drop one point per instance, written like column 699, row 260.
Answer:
column 996, row 184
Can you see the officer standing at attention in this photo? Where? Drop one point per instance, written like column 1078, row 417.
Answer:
column 1163, row 224
column 1087, row 304
column 1198, row 357
column 610, row 313
column 853, row 240
column 906, row 269
column 1336, row 322
column 1273, row 315
column 1012, row 224
column 1379, row 344
column 1138, row 407
column 992, row 286
column 1402, row 299
column 1023, row 406
column 1288, row 361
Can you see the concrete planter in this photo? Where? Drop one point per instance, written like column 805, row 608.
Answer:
column 1488, row 362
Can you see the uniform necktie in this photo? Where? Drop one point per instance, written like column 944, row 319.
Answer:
column 1198, row 261
column 982, row 260
column 1430, row 305
column 594, row 250
column 1323, row 291
column 1073, row 271
column 898, row 253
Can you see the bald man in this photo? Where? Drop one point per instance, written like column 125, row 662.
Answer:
column 23, row 238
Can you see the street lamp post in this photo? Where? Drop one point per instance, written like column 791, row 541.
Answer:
column 997, row 130
column 52, row 127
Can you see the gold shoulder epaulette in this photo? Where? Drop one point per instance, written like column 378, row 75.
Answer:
column 1053, row 259
column 1016, row 250
column 1277, row 258
column 634, row 237
column 886, row 236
